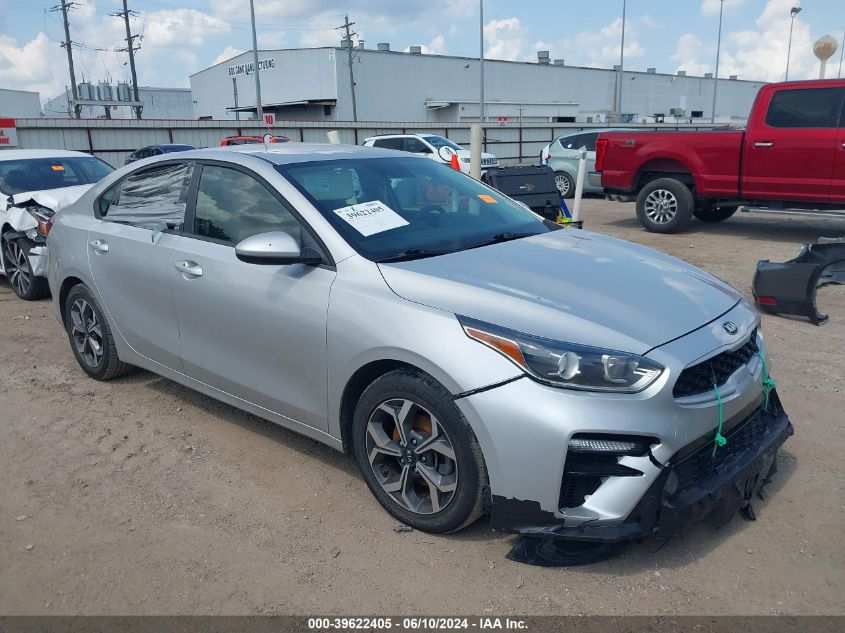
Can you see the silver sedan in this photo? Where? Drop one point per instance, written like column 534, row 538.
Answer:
column 472, row 357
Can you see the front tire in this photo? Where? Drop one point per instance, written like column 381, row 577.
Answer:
column 565, row 185
column 418, row 454
column 715, row 214
column 18, row 269
column 90, row 336
column 665, row 205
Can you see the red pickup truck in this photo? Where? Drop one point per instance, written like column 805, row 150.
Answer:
column 790, row 155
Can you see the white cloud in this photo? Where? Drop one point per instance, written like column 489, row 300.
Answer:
column 504, row 39
column 711, row 7
column 226, row 54
column 687, row 54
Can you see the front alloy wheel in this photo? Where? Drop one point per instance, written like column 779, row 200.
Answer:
column 417, row 453
column 19, row 271
column 411, row 456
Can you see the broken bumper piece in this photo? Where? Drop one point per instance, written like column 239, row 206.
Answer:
column 696, row 484
column 790, row 287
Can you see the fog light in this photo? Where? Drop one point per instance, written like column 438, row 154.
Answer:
column 609, row 444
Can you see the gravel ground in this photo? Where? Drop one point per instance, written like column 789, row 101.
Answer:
column 141, row 497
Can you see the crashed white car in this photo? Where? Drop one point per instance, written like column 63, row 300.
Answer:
column 34, row 185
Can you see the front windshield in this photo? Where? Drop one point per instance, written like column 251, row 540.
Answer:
column 390, row 209
column 37, row 174
column 439, row 141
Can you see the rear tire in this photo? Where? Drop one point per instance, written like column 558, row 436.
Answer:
column 714, row 214
column 431, row 474
column 18, row 269
column 90, row 336
column 665, row 205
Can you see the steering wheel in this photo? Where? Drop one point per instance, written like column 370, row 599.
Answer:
column 429, row 214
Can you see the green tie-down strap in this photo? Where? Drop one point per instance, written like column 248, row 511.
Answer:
column 720, row 439
column 768, row 382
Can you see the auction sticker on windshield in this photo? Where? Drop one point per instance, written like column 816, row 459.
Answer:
column 369, row 218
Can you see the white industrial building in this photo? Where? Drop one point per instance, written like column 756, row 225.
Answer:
column 158, row 103
column 396, row 86
column 19, row 103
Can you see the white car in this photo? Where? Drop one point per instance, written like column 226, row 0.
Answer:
column 34, row 185
column 431, row 146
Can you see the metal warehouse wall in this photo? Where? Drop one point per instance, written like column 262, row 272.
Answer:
column 15, row 103
column 113, row 140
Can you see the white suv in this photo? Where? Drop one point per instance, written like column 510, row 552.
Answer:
column 429, row 145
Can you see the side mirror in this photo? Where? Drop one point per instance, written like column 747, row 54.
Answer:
column 445, row 152
column 275, row 247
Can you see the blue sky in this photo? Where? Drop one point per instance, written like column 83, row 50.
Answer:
column 183, row 36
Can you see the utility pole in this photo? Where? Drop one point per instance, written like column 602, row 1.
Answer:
column 481, row 56
column 258, row 106
column 841, row 53
column 716, row 75
column 68, row 45
column 621, row 62
column 348, row 35
column 130, row 48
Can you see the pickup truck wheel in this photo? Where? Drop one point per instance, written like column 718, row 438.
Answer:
column 565, row 185
column 665, row 205
column 714, row 214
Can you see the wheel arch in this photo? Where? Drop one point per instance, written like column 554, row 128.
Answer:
column 68, row 283
column 664, row 168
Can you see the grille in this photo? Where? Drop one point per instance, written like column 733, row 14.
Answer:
column 742, row 441
column 700, row 378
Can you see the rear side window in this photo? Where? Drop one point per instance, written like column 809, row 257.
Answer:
column 388, row 143
column 806, row 108
column 150, row 197
column 232, row 206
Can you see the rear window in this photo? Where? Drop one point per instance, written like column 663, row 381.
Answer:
column 388, row 143
column 806, row 108
column 36, row 174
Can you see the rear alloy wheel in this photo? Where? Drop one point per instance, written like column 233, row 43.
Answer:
column 665, row 206
column 90, row 336
column 417, row 453
column 565, row 185
column 714, row 214
column 19, row 271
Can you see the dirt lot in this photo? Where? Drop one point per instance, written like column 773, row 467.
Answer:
column 140, row 497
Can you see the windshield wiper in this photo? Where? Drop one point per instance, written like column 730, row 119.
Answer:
column 408, row 255
column 498, row 239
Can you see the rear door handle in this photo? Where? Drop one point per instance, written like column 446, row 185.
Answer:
column 764, row 144
column 99, row 245
column 192, row 269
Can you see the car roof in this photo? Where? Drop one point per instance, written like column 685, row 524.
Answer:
column 23, row 154
column 288, row 153
column 377, row 136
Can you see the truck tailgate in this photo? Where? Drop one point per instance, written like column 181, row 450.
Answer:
column 711, row 157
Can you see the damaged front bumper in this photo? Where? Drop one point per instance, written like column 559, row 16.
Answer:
column 697, row 483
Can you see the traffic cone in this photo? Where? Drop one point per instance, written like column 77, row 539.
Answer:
column 454, row 163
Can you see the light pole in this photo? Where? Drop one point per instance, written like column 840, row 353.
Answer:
column 481, row 57
column 841, row 53
column 716, row 74
column 259, row 108
column 792, row 13
column 621, row 63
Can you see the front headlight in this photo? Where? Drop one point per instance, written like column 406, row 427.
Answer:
column 564, row 364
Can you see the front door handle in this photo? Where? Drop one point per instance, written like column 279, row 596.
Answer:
column 764, row 144
column 191, row 269
column 99, row 245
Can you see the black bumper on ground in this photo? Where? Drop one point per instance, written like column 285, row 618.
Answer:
column 695, row 484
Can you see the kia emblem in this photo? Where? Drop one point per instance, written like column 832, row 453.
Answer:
column 730, row 327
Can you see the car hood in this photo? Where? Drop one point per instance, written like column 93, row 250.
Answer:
column 54, row 199
column 569, row 285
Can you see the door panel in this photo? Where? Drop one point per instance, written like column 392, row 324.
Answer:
column 790, row 155
column 837, row 185
column 255, row 331
column 129, row 253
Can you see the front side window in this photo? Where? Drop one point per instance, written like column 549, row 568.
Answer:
column 416, row 146
column 37, row 174
column 149, row 198
column 232, row 206
column 405, row 208
column 804, row 108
